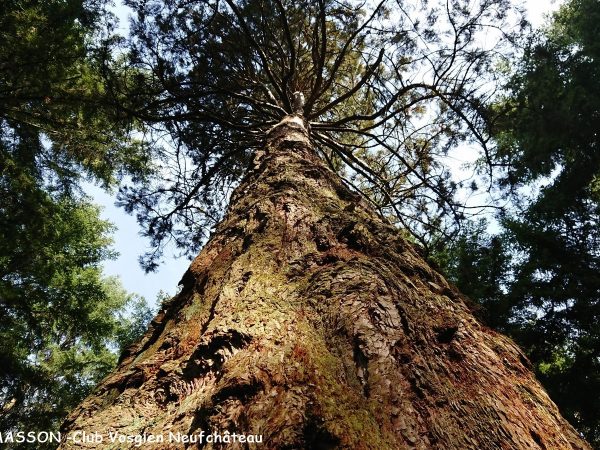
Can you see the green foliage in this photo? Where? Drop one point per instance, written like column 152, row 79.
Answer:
column 62, row 321
column 549, row 142
column 556, row 305
column 479, row 265
column 50, row 82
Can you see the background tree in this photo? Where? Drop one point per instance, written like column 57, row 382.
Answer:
column 552, row 134
column 548, row 296
column 62, row 321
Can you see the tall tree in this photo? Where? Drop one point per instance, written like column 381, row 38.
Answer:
column 62, row 322
column 550, row 146
column 306, row 318
column 307, row 321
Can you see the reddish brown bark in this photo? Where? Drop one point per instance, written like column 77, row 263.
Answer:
column 306, row 319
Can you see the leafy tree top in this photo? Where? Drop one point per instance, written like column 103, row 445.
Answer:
column 389, row 87
column 51, row 85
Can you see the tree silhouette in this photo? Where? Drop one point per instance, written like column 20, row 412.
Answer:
column 389, row 88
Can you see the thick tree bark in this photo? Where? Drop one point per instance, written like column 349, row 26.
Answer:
column 306, row 319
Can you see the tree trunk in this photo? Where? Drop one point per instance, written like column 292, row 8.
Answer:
column 307, row 322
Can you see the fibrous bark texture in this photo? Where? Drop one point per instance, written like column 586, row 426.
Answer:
column 308, row 320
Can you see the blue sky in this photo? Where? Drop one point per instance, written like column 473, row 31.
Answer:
column 130, row 244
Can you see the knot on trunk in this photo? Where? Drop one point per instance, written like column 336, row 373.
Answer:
column 298, row 103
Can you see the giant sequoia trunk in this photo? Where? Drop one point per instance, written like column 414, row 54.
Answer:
column 308, row 321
